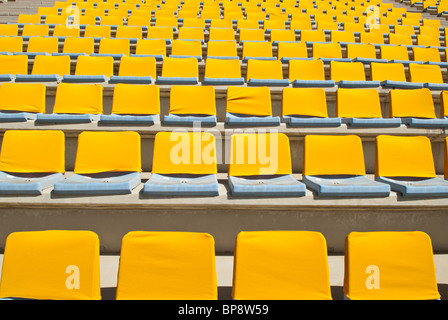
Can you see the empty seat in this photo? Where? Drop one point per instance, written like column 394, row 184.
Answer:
column 75, row 103
column 179, row 71
column 365, row 53
column 167, row 266
column 51, row 264
column 249, row 107
column 9, row 30
column 133, row 33
column 265, row 73
column 291, row 265
column 47, row 69
column 31, row 161
column 251, row 35
column 188, row 33
column 35, row 30
column 257, row 50
column 328, row 52
column 137, row 70
column 333, row 166
column 134, row 104
column 64, row 31
column 291, row 51
column 154, row 48
column 396, row 54
column 429, row 75
column 309, row 36
column 392, row 75
column 16, row 106
column 115, row 48
column 41, row 46
column 304, row 73
column 260, row 166
column 184, row 164
column 222, row 72
column 164, row 33
column 190, row 105
column 92, row 69
column 75, row 47
column 415, row 108
column 348, row 102
column 97, row 32
column 186, row 49
column 306, row 107
column 428, row 55
column 342, row 37
column 222, row 50
column 106, row 163
column 9, row 45
column 407, row 165
column 389, row 265
column 10, row 66
column 350, row 75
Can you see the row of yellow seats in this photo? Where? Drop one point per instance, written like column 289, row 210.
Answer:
column 307, row 104
column 268, row 265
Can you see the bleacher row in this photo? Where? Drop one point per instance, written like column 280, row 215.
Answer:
column 185, row 164
column 268, row 265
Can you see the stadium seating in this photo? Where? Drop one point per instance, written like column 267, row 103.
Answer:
column 167, row 266
column 91, row 69
column 51, row 265
column 47, row 69
column 222, row 72
column 178, row 169
column 265, row 73
column 136, row 70
column 291, row 265
column 179, row 71
column 18, row 107
column 389, row 265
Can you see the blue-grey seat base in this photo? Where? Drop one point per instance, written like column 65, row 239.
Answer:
column 131, row 80
column 176, row 119
column 346, row 186
column 273, row 186
column 6, row 116
column 268, row 82
column 245, row 120
column 129, row 119
column 94, row 78
column 426, row 187
column 71, row 55
column 245, row 59
column 177, row 80
column 222, row 81
column 181, row 185
column 369, row 60
column 23, row 184
column 66, row 118
column 223, row 57
column 7, row 77
column 116, row 56
column 425, row 123
column 158, row 57
column 401, row 84
column 313, row 83
column 440, row 64
column 373, row 122
column 99, row 184
column 433, row 86
column 38, row 78
column 328, row 60
column 299, row 121
column 358, row 84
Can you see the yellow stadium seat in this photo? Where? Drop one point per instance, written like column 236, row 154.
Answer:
column 371, row 37
column 167, row 266
column 362, row 52
column 389, row 265
column 249, row 106
column 186, row 48
column 270, row 25
column 246, row 35
column 392, row 75
column 35, row 30
column 11, row 65
column 106, row 163
column 343, row 173
column 64, row 31
column 9, row 30
column 170, row 22
column 11, row 44
column 247, row 24
column 47, row 69
column 290, row 50
column 92, row 69
column 444, row 104
column 400, row 39
column 28, row 18
column 404, row 29
column 179, row 71
column 257, row 50
column 76, row 46
column 342, row 36
column 308, row 73
column 134, row 104
column 111, row 20
column 278, row 36
column 95, row 31
column 222, row 72
column 265, row 73
column 139, row 21
column 297, row 25
column 350, row 75
column 370, row 115
column 165, row 33
column 327, row 51
column 394, row 53
column 38, row 45
column 224, row 48
column 428, row 40
column 115, row 48
column 429, row 30
column 312, row 36
column 129, row 32
column 221, row 34
column 187, row 33
column 55, row 19
column 221, row 23
column 428, row 74
column 291, row 265
column 136, row 70
column 306, row 107
column 155, row 48
column 66, row 265
column 13, row 99
column 426, row 54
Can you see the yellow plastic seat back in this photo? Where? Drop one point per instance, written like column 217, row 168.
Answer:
column 33, row 151
column 389, row 265
column 254, row 154
column 59, row 65
column 222, row 68
column 327, row 50
column 137, row 67
column 129, row 32
column 221, row 49
column 184, row 153
column 333, row 155
column 167, row 266
column 154, row 47
column 306, row 70
column 394, row 52
column 352, row 71
column 426, row 54
column 165, row 33
column 425, row 73
column 304, row 102
column 361, row 51
column 251, row 35
column 186, row 48
column 411, row 103
column 93, row 66
column 135, row 99
column 192, row 100
column 257, row 49
column 404, row 157
column 13, row 99
column 65, row 31
column 264, row 69
column 96, row 31
column 348, row 102
column 254, row 101
column 79, row 98
column 115, row 46
column 186, row 33
column 180, row 67
column 51, row 264
column 444, row 103
column 281, row 265
column 11, row 44
column 312, row 36
column 292, row 50
column 35, row 30
column 40, row 44
column 79, row 45
column 9, row 30
column 387, row 71
column 108, row 152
